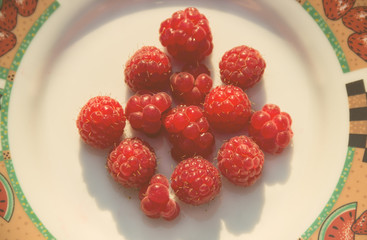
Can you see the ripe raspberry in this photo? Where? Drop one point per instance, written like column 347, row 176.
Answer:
column 156, row 201
column 271, row 128
column 189, row 132
column 242, row 66
column 157, row 178
column 189, row 90
column 240, row 160
column 132, row 163
column 148, row 68
column 195, row 69
column 227, row 108
column 101, row 122
column 196, row 181
column 187, row 35
column 144, row 111
column 171, row 211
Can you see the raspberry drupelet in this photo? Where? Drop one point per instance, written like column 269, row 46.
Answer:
column 187, row 35
column 189, row 132
column 195, row 69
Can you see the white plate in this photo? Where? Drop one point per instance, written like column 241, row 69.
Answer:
column 80, row 53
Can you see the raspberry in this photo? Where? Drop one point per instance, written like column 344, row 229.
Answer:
column 171, row 211
column 101, row 122
column 189, row 90
column 189, row 132
column 144, row 111
column 158, row 193
column 227, row 108
column 195, row 69
column 157, row 178
column 271, row 128
column 156, row 201
column 187, row 35
column 196, row 181
column 148, row 68
column 240, row 160
column 132, row 163
column 242, row 66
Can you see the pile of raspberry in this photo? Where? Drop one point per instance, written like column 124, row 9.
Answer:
column 189, row 111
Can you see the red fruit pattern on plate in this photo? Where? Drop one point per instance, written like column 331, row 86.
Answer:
column 148, row 69
column 132, row 163
column 356, row 19
column 25, row 7
column 187, row 35
column 271, row 129
column 190, row 90
column 156, row 201
column 8, row 15
column 360, row 224
column 101, row 122
column 241, row 160
column 335, row 9
column 6, row 199
column 196, row 181
column 7, row 41
column 357, row 42
column 227, row 108
column 189, row 132
column 144, row 111
column 242, row 66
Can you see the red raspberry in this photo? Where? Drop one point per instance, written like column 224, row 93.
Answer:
column 189, row 90
column 196, row 181
column 148, row 68
column 271, row 128
column 157, row 178
column 158, row 193
column 144, row 111
column 227, row 108
column 195, row 69
column 241, row 161
column 132, row 163
column 101, row 122
column 187, row 35
column 171, row 211
column 189, row 132
column 156, row 201
column 242, row 66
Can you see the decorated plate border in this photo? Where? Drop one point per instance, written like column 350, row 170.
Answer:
column 348, row 190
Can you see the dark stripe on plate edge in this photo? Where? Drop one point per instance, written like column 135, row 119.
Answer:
column 355, row 88
column 358, row 114
column 359, row 141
